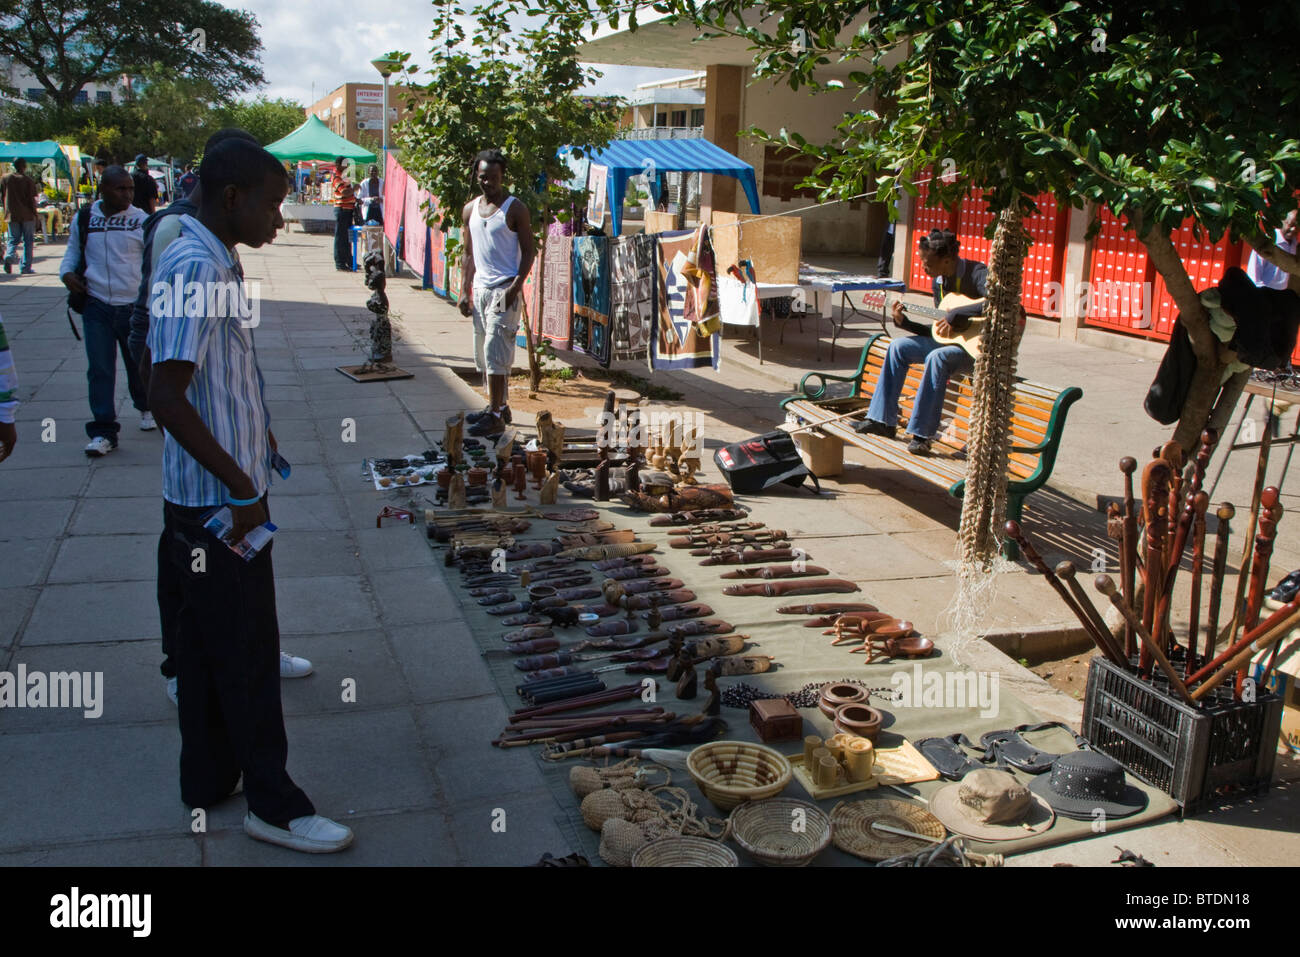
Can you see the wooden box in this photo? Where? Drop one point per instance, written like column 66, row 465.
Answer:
column 771, row 244
column 775, row 719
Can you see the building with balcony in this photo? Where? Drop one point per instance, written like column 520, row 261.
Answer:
column 356, row 108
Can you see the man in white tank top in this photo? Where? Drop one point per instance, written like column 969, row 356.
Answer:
column 499, row 251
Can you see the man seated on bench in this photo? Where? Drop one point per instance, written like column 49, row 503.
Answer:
column 950, row 274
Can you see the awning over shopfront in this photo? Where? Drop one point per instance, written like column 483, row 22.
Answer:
column 316, row 141
column 627, row 158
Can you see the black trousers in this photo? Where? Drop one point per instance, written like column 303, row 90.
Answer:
column 886, row 259
column 343, row 238
column 226, row 652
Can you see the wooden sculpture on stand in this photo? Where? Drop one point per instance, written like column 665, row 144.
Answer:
column 379, row 364
column 453, row 440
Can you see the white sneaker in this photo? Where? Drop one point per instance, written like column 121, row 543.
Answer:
column 98, row 447
column 291, row 666
column 313, row 834
column 147, row 424
column 171, row 690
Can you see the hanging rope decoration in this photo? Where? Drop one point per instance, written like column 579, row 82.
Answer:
column 985, row 501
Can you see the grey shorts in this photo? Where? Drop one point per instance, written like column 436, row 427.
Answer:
column 495, row 329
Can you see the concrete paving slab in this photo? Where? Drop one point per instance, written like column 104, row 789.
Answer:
column 133, row 688
column 362, row 761
column 308, row 478
column 25, row 562
column 440, row 661
column 118, row 516
column 306, row 512
column 301, row 554
column 322, row 605
column 112, row 479
column 64, row 482
column 107, row 558
column 411, row 595
column 63, row 794
column 38, row 518
column 180, row 851
column 15, row 604
column 532, row 828
column 396, row 545
column 94, row 611
column 397, row 839
column 362, row 659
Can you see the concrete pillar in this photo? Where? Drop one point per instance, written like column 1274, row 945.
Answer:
column 724, row 85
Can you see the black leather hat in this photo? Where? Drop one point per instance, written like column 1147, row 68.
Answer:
column 1082, row 782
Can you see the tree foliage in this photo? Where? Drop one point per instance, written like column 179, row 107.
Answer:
column 268, row 120
column 1161, row 112
column 499, row 86
column 67, row 44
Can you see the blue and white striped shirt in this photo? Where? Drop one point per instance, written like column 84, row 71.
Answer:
column 196, row 306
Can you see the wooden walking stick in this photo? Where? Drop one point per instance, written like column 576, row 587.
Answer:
column 1162, row 631
column 1106, row 586
column 1271, row 514
column 1289, row 613
column 1067, row 573
column 1248, row 543
column 1200, row 504
column 1128, row 549
column 1224, row 514
column 1156, row 478
column 1238, row 662
column 1014, row 532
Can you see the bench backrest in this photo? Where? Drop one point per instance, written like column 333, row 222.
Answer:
column 1032, row 407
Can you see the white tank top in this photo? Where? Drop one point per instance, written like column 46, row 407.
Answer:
column 496, row 247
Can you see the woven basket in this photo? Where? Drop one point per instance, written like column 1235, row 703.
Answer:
column 767, row 831
column 729, row 772
column 685, row 852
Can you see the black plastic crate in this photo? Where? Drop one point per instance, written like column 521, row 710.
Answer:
column 1198, row 756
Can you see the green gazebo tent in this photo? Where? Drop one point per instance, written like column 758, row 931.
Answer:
column 316, row 141
column 37, row 152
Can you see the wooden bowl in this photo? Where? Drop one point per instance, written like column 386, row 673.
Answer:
column 860, row 719
column 835, row 694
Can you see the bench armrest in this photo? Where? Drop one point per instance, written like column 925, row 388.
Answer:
column 821, row 389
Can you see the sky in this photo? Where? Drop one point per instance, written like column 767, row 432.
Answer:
column 331, row 42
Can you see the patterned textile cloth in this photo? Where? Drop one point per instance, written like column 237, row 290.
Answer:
column 632, row 298
column 557, row 296
column 688, row 329
column 591, row 332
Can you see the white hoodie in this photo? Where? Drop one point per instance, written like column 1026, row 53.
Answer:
column 114, row 253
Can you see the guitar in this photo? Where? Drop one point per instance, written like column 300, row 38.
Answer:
column 968, row 338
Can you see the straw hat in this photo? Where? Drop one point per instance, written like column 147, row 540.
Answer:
column 990, row 805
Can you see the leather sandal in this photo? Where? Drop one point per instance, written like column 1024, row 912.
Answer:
column 947, row 756
column 1011, row 747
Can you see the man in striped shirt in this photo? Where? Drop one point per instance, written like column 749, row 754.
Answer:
column 345, row 203
column 207, row 391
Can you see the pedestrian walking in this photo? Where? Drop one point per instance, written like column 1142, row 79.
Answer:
column 19, row 193
column 108, row 272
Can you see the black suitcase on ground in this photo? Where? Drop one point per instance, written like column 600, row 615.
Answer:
column 762, row 461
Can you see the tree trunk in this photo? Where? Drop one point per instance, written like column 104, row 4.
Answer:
column 984, row 505
column 1211, row 357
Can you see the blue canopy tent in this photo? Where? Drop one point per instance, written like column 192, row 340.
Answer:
column 627, row 158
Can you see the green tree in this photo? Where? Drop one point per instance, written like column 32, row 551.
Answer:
column 268, row 120
column 174, row 114
column 66, row 44
column 1161, row 112
column 515, row 89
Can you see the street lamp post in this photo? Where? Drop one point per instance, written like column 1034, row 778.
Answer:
column 385, row 66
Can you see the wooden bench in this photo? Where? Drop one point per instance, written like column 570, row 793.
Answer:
column 1038, row 418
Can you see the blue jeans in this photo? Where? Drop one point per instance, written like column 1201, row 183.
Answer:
column 26, row 233
column 343, row 238
column 107, row 328
column 941, row 362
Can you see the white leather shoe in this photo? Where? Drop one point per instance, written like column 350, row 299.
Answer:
column 312, row 834
column 291, row 666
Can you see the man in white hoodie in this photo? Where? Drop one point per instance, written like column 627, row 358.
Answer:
column 110, row 276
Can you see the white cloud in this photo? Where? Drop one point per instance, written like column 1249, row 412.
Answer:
column 312, row 48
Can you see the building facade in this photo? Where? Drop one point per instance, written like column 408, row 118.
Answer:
column 356, row 108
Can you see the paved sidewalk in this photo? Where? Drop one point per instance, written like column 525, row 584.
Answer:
column 406, row 764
